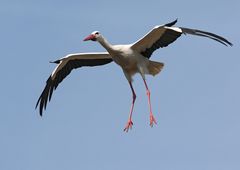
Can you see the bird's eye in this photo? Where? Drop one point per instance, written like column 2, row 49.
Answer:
column 97, row 33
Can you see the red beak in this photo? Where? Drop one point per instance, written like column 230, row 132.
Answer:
column 90, row 37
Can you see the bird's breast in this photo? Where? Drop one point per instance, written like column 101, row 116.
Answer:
column 125, row 60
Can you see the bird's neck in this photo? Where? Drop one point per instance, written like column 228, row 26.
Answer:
column 105, row 44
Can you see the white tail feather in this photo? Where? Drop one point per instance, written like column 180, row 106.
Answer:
column 155, row 67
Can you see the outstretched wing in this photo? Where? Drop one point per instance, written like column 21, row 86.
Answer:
column 163, row 35
column 64, row 68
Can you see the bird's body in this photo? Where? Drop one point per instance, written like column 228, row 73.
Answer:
column 128, row 58
column 123, row 55
column 132, row 58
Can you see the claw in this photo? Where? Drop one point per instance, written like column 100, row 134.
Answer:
column 128, row 126
column 152, row 120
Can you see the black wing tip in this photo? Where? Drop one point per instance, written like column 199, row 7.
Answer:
column 40, row 109
column 37, row 106
column 42, row 100
column 210, row 35
column 171, row 23
column 229, row 43
column 56, row 62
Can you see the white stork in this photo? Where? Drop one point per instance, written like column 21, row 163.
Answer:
column 132, row 58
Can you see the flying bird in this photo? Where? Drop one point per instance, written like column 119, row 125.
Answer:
column 132, row 58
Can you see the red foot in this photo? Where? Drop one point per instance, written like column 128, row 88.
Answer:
column 129, row 125
column 152, row 120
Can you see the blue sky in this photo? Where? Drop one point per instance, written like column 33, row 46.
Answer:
column 195, row 98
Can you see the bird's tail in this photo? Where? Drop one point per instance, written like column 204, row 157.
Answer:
column 154, row 67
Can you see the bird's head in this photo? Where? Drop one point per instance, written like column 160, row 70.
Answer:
column 94, row 36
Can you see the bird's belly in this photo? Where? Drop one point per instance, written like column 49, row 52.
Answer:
column 126, row 62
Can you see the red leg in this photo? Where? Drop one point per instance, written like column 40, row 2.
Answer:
column 130, row 123
column 152, row 119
